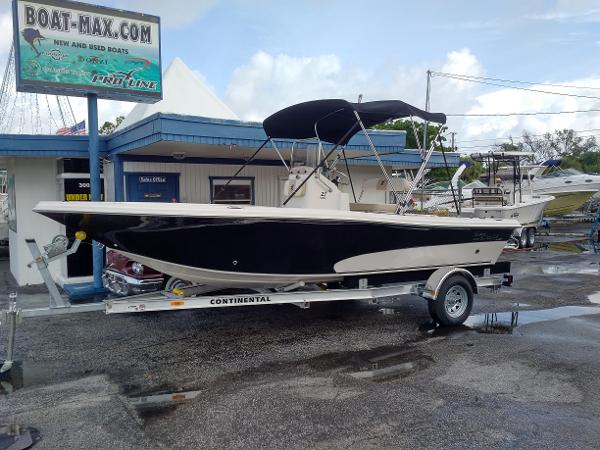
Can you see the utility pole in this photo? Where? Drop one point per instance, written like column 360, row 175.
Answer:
column 427, row 102
column 456, row 202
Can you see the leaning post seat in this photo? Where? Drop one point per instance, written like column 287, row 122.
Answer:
column 488, row 196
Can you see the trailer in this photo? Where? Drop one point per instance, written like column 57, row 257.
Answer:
column 449, row 292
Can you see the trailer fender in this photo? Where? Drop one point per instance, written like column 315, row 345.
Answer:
column 437, row 278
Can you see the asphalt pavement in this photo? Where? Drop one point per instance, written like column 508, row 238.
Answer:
column 523, row 373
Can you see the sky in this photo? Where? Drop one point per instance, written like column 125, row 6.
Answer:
column 262, row 55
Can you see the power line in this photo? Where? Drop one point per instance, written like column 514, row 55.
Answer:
column 539, row 91
column 519, row 137
column 503, row 80
column 500, row 143
column 538, row 113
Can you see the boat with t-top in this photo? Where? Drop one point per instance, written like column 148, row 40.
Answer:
column 317, row 236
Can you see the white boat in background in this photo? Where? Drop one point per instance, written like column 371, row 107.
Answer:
column 506, row 199
column 570, row 187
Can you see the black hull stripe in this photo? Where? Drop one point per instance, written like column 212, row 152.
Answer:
column 254, row 245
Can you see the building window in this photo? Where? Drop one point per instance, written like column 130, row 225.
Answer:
column 232, row 191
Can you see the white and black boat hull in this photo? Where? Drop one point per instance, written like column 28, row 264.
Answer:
column 254, row 246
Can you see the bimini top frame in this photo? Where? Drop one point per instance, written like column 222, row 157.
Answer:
column 336, row 121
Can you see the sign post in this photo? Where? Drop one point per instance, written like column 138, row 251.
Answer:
column 95, row 183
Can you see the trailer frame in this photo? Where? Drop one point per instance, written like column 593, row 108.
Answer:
column 301, row 295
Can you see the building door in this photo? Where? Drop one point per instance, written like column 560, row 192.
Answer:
column 152, row 187
column 77, row 188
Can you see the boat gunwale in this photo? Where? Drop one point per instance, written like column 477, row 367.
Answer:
column 184, row 210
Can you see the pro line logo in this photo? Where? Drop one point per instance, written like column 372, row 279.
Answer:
column 125, row 79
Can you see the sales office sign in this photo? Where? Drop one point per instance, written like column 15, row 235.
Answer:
column 152, row 179
column 71, row 48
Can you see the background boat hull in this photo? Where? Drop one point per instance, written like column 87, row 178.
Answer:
column 567, row 202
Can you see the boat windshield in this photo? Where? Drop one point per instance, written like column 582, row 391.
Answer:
column 445, row 185
column 475, row 184
column 563, row 173
column 306, row 153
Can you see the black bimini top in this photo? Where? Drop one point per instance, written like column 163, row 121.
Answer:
column 334, row 120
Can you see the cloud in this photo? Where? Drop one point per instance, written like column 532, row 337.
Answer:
column 572, row 10
column 173, row 13
column 504, row 101
column 6, row 33
column 270, row 82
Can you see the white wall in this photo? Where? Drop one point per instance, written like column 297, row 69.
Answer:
column 364, row 177
column 194, row 182
column 35, row 180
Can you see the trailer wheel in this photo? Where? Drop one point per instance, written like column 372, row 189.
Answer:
column 530, row 237
column 173, row 283
column 454, row 302
column 523, row 238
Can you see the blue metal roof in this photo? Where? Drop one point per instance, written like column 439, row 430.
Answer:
column 24, row 145
column 208, row 131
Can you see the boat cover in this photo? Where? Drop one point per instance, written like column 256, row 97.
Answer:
column 333, row 120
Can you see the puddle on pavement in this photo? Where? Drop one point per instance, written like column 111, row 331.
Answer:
column 24, row 374
column 159, row 403
column 559, row 269
column 378, row 364
column 572, row 246
column 391, row 365
column 506, row 322
column 15, row 437
column 594, row 298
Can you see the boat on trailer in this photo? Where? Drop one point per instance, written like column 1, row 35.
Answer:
column 315, row 237
column 505, row 196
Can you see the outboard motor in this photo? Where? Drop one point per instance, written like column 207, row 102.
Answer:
column 318, row 192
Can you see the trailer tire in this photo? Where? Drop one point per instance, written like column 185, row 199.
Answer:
column 530, row 237
column 523, row 238
column 453, row 303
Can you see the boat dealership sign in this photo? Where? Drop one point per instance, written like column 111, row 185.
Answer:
column 71, row 48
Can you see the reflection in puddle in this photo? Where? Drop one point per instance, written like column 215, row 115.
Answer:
column 594, row 298
column 384, row 363
column 574, row 246
column 506, row 322
column 496, row 323
column 571, row 268
column 16, row 437
column 155, row 404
